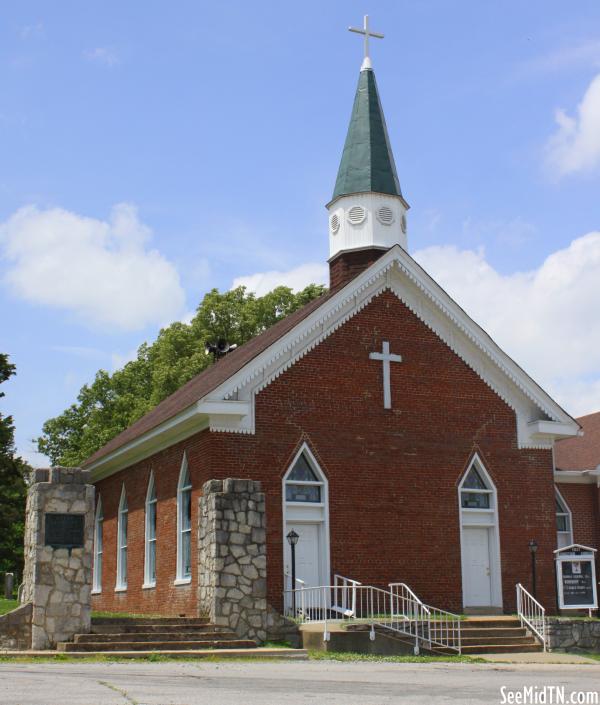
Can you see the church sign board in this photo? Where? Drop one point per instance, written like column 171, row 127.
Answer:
column 576, row 576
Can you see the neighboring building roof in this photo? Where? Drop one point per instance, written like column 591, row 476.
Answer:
column 367, row 161
column 580, row 452
column 204, row 383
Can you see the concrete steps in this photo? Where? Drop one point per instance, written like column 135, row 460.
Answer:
column 489, row 635
column 65, row 646
column 212, row 635
column 152, row 634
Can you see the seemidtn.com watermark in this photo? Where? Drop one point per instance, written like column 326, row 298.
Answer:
column 548, row 695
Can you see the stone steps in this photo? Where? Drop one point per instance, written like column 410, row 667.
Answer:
column 155, row 645
column 153, row 634
column 209, row 635
column 168, row 628
column 147, row 621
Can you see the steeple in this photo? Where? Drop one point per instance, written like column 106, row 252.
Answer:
column 367, row 213
column 367, row 161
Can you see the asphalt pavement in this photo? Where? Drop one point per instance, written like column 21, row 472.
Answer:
column 285, row 683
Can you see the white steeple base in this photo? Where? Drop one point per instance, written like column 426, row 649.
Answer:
column 363, row 220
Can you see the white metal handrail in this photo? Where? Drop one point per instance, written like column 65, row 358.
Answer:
column 406, row 598
column 344, row 595
column 288, row 582
column 531, row 614
column 375, row 607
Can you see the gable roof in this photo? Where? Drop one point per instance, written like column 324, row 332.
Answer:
column 367, row 163
column 208, row 380
column 582, row 452
column 222, row 397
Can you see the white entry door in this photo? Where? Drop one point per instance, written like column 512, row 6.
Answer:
column 477, row 567
column 307, row 554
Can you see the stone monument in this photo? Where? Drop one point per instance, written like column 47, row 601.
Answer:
column 57, row 578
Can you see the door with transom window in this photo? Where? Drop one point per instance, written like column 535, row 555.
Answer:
column 479, row 539
column 305, row 511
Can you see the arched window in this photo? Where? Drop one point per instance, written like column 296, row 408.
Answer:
column 184, row 524
column 302, row 483
column 475, row 494
column 150, row 551
column 98, row 540
column 122, row 543
column 564, row 522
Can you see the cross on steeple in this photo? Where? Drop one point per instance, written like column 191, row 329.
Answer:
column 366, row 64
column 386, row 357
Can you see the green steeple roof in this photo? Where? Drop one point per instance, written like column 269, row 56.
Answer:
column 367, row 161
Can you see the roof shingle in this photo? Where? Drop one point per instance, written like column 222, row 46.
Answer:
column 580, row 452
column 204, row 383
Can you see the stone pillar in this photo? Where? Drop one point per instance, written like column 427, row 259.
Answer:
column 58, row 554
column 232, row 557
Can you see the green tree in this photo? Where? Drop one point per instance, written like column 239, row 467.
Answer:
column 13, row 489
column 112, row 402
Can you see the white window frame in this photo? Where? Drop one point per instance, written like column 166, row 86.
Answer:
column 567, row 512
column 150, row 543
column 98, row 548
column 122, row 537
column 181, row 577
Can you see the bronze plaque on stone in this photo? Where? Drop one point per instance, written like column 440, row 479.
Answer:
column 64, row 530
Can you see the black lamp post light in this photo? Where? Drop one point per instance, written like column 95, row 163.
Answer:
column 293, row 538
column 533, row 547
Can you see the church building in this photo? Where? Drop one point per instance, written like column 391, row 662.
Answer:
column 385, row 426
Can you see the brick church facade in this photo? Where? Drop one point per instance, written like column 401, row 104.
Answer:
column 383, row 424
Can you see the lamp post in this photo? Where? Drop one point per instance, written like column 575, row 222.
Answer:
column 533, row 547
column 292, row 538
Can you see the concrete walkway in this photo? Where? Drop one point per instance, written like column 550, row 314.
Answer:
column 547, row 657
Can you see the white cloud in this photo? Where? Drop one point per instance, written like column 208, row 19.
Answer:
column 512, row 233
column 100, row 270
column 546, row 319
column 583, row 54
column 297, row 278
column 105, row 56
column 575, row 146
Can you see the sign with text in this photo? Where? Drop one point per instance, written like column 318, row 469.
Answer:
column 576, row 574
column 64, row 530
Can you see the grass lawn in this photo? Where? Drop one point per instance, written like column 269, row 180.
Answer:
column 7, row 605
column 349, row 656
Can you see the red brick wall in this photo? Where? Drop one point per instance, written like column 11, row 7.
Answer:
column 393, row 474
column 348, row 265
column 583, row 503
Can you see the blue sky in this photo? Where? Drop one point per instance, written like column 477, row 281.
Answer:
column 151, row 151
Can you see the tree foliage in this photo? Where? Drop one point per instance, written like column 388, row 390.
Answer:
column 13, row 490
column 112, row 402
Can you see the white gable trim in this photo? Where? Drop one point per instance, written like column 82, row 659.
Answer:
column 540, row 420
column 230, row 407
